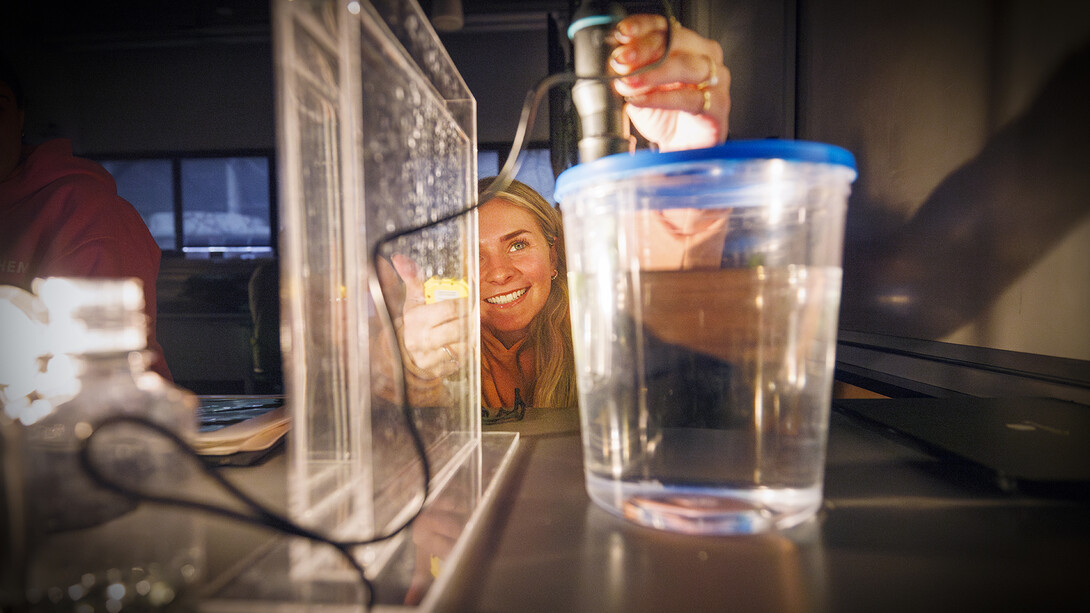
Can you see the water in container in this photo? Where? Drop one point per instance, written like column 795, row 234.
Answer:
column 704, row 290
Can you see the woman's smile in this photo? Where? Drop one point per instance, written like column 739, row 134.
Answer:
column 517, row 265
column 508, row 298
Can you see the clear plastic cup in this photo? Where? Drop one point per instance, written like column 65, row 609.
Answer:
column 705, row 287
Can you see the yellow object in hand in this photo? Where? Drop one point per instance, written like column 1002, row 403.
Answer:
column 437, row 289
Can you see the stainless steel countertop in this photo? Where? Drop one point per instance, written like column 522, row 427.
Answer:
column 899, row 531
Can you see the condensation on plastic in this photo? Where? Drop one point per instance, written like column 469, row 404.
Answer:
column 377, row 135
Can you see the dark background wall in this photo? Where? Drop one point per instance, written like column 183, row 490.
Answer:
column 969, row 223
column 130, row 77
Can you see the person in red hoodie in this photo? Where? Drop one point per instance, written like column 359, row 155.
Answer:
column 60, row 215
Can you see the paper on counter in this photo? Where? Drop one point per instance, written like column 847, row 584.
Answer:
column 253, row 434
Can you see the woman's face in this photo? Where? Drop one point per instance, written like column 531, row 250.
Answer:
column 517, row 266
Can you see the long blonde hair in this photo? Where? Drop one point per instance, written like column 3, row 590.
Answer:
column 550, row 330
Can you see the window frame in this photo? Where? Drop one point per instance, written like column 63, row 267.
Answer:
column 176, row 158
column 504, row 150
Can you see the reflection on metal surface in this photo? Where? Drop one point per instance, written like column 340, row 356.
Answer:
column 782, row 571
column 1032, row 425
column 437, row 541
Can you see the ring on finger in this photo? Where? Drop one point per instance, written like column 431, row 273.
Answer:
column 707, row 101
column 450, row 354
column 713, row 75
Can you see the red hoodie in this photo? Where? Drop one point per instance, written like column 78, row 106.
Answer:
column 61, row 216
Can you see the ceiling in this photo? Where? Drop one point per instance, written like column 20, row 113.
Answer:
column 129, row 18
column 144, row 20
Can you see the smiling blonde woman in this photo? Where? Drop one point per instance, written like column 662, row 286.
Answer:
column 525, row 326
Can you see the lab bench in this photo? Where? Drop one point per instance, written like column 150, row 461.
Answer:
column 899, row 530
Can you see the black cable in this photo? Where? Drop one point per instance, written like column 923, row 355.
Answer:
column 263, row 516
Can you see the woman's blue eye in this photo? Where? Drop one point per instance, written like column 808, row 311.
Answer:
column 519, row 245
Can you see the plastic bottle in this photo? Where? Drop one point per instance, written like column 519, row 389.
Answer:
column 92, row 549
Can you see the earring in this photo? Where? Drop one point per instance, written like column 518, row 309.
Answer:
column 556, row 273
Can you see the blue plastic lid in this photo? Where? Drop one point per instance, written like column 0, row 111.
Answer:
column 586, row 22
column 621, row 166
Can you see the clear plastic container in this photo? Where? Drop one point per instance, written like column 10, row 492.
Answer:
column 377, row 136
column 704, row 289
column 92, row 548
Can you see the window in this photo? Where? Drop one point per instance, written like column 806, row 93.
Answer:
column 536, row 169
column 149, row 186
column 203, row 206
column 224, row 205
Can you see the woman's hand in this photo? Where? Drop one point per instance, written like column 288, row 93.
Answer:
column 432, row 335
column 685, row 102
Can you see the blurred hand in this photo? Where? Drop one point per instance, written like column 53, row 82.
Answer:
column 432, row 335
column 683, row 103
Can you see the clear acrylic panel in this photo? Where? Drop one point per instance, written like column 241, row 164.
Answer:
column 377, row 151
